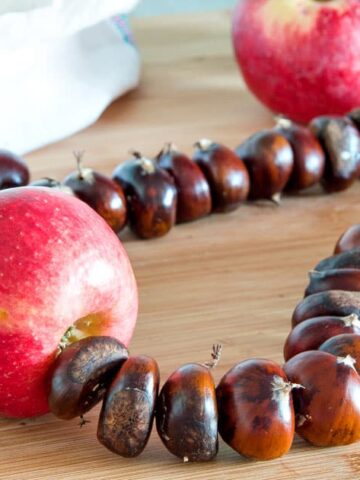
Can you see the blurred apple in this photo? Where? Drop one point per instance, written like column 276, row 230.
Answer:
column 301, row 58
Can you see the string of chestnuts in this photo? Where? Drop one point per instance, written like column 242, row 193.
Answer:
column 257, row 405
column 151, row 195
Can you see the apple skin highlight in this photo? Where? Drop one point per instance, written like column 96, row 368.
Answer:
column 59, row 262
column 300, row 58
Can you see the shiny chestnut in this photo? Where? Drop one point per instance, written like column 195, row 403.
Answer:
column 81, row 374
column 256, row 414
column 348, row 259
column 337, row 303
column 186, row 414
column 349, row 240
column 127, row 413
column 269, row 159
column 101, row 193
column 309, row 157
column 328, row 407
column 13, row 170
column 193, row 191
column 151, row 196
column 340, row 140
column 311, row 333
column 343, row 345
column 337, row 279
column 225, row 173
column 51, row 183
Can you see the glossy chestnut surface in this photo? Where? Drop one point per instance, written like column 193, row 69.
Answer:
column 348, row 259
column 151, row 196
column 193, row 191
column 101, row 193
column 328, row 407
column 13, row 170
column 127, row 413
column 81, row 374
column 340, row 140
column 186, row 414
column 349, row 240
column 256, row 415
column 269, row 159
column 339, row 279
column 343, row 345
column 309, row 157
column 225, row 173
column 311, row 333
column 337, row 303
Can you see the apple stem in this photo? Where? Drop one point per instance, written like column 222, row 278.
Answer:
column 215, row 356
column 78, row 154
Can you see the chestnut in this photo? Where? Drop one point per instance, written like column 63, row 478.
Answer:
column 186, row 414
column 127, row 412
column 256, row 414
column 151, row 196
column 337, row 303
column 193, row 191
column 226, row 174
column 348, row 259
column 51, row 183
column 340, row 140
column 354, row 116
column 269, row 159
column 81, row 374
column 349, row 240
column 311, row 333
column 13, row 170
column 309, row 157
column 343, row 345
column 339, row 279
column 100, row 192
column 328, row 407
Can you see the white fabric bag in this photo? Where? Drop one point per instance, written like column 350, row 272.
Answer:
column 62, row 63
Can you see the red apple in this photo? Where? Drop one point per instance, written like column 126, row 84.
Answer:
column 64, row 275
column 300, row 58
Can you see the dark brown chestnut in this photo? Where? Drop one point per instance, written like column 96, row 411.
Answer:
column 186, row 414
column 337, row 303
column 349, row 240
column 339, row 279
column 348, row 259
column 226, row 174
column 309, row 157
column 193, row 191
column 127, row 413
column 100, row 192
column 151, row 196
column 340, row 140
column 311, row 333
column 13, row 170
column 256, row 414
column 354, row 116
column 269, row 159
column 343, row 345
column 328, row 407
column 81, row 374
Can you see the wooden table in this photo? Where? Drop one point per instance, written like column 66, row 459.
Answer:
column 232, row 278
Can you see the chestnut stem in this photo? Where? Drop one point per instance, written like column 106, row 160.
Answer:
column 283, row 122
column 215, row 356
column 78, row 154
column 203, row 144
column 147, row 164
column 276, row 198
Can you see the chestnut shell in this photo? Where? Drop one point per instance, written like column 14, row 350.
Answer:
column 13, row 170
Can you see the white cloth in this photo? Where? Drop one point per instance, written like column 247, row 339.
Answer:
column 62, row 63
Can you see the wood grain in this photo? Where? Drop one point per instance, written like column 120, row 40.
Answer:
column 232, row 278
